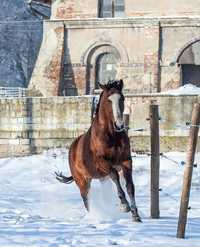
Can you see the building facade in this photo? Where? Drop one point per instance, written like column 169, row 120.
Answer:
column 153, row 45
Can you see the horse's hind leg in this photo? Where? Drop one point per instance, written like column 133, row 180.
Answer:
column 124, row 203
column 84, row 186
column 127, row 172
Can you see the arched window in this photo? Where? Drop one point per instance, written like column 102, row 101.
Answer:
column 111, row 8
column 189, row 60
column 106, row 68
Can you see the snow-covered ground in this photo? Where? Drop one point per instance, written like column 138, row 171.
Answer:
column 37, row 210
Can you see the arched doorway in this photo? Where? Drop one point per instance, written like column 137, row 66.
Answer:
column 106, row 68
column 189, row 60
column 102, row 65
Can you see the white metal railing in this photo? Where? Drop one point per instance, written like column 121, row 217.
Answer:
column 12, row 92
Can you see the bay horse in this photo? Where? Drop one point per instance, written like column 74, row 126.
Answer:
column 104, row 150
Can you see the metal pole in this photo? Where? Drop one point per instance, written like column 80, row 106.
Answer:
column 155, row 160
column 193, row 136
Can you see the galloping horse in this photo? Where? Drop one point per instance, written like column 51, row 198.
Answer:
column 104, row 149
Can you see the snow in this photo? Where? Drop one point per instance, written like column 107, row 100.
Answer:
column 188, row 89
column 37, row 210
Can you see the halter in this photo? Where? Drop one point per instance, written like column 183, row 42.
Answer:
column 120, row 130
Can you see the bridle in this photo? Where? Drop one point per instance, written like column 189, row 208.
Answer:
column 118, row 130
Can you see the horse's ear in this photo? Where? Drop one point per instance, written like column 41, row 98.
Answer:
column 102, row 86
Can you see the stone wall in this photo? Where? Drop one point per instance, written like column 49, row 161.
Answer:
column 31, row 125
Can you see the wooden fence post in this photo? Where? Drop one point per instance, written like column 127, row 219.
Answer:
column 193, row 137
column 155, row 160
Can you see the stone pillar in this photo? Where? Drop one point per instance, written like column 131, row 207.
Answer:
column 152, row 60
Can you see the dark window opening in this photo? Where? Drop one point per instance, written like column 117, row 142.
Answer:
column 189, row 60
column 190, row 74
column 111, row 8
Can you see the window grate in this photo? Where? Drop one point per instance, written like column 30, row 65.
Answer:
column 6, row 92
column 111, row 8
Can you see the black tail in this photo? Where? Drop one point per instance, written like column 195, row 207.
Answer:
column 63, row 179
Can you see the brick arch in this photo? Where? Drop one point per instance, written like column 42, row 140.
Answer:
column 91, row 55
column 118, row 47
column 184, row 48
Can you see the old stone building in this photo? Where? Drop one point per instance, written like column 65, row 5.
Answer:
column 153, row 45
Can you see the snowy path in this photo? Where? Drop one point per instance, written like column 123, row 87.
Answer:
column 36, row 210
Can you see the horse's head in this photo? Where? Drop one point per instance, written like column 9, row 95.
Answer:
column 113, row 100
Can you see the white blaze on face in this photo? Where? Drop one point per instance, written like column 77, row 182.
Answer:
column 118, row 115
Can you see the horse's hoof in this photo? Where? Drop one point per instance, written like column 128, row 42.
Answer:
column 136, row 218
column 125, row 208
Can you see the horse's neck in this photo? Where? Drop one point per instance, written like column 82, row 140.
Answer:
column 102, row 121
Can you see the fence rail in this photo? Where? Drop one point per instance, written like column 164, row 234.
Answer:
column 13, row 92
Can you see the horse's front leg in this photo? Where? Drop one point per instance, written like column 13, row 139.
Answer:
column 127, row 172
column 124, row 203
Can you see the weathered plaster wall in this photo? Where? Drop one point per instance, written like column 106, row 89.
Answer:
column 137, row 66
column 46, row 75
column 136, row 41
column 161, row 8
column 147, row 47
column 68, row 9
column 30, row 125
column 175, row 36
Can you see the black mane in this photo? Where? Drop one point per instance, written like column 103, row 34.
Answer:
column 118, row 84
column 98, row 104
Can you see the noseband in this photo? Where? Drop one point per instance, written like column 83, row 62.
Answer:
column 118, row 130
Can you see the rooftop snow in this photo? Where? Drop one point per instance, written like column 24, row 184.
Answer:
column 188, row 89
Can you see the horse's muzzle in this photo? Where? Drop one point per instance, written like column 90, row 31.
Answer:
column 119, row 127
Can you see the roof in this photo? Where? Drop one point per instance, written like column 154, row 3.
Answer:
column 41, row 7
